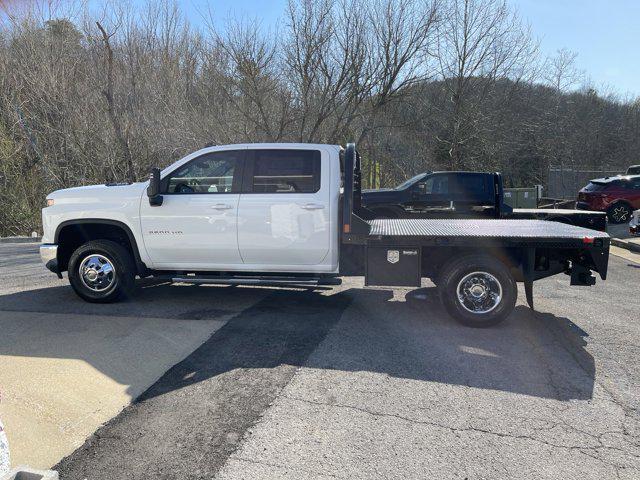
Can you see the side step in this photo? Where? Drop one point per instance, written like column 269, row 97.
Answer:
column 270, row 281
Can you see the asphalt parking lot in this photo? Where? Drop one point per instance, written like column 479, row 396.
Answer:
column 343, row 383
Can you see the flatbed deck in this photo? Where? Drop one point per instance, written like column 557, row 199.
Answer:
column 503, row 228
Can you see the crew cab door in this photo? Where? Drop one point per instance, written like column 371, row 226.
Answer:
column 196, row 225
column 284, row 213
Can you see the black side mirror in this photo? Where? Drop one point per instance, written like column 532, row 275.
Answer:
column 153, row 190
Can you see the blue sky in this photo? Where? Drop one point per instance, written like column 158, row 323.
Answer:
column 604, row 33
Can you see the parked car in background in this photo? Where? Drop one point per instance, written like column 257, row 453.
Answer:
column 634, row 224
column 633, row 170
column 618, row 196
column 465, row 195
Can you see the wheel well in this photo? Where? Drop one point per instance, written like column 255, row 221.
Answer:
column 620, row 202
column 71, row 236
column 434, row 260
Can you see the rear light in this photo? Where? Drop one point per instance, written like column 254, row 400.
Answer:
column 588, row 240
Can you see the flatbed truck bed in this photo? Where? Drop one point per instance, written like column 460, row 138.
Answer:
column 465, row 257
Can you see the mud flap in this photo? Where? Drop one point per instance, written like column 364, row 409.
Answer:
column 528, row 265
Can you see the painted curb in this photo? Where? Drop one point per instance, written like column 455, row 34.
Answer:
column 631, row 246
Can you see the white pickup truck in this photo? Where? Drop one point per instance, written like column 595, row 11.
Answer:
column 290, row 215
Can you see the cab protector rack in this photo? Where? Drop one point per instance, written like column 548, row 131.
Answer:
column 534, row 249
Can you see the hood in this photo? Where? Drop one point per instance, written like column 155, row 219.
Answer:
column 380, row 196
column 373, row 190
column 97, row 193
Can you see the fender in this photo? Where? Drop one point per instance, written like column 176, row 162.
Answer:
column 103, row 221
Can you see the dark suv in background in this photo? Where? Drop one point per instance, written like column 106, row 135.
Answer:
column 618, row 196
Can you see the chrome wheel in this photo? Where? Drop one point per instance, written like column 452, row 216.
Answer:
column 97, row 273
column 620, row 214
column 479, row 292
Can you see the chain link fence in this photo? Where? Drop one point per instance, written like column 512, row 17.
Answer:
column 564, row 183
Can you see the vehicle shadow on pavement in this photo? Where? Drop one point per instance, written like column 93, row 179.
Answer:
column 531, row 353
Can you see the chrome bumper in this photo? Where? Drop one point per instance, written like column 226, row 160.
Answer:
column 49, row 256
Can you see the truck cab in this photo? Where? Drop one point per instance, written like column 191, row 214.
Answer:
column 446, row 194
column 265, row 207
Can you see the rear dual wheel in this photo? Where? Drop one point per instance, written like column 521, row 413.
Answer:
column 477, row 290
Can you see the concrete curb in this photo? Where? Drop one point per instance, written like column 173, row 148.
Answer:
column 20, row 239
column 26, row 473
column 626, row 244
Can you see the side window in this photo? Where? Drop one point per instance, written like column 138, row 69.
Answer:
column 435, row 185
column 286, row 171
column 210, row 173
column 471, row 186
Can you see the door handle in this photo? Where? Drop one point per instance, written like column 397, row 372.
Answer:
column 312, row 206
column 221, row 206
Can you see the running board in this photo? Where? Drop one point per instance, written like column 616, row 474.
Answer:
column 270, row 281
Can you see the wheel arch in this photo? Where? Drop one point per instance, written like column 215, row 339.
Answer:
column 70, row 234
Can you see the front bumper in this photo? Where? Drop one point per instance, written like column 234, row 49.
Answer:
column 49, row 256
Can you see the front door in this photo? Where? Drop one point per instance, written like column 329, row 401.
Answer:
column 197, row 224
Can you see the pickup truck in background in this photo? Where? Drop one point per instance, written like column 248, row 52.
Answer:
column 464, row 195
column 291, row 215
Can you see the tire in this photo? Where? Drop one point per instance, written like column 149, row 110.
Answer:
column 619, row 213
column 110, row 272
column 490, row 277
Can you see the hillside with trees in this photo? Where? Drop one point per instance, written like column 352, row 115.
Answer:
column 92, row 97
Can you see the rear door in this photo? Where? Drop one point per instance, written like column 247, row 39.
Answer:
column 284, row 210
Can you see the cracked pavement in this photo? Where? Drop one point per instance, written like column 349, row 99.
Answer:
column 373, row 383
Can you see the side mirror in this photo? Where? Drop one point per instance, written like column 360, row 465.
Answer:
column 153, row 190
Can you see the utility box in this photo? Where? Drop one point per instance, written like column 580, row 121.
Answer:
column 393, row 266
column 522, row 197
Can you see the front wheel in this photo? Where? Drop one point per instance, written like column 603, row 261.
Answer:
column 477, row 290
column 102, row 271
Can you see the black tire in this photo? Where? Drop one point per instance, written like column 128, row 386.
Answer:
column 492, row 276
column 122, row 275
column 619, row 213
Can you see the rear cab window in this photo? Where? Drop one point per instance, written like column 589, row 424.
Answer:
column 283, row 171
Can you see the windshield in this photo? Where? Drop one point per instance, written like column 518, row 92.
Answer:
column 406, row 183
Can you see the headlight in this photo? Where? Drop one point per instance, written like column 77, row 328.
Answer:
column 50, row 202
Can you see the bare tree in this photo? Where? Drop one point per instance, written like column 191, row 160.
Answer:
column 122, row 134
column 481, row 42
